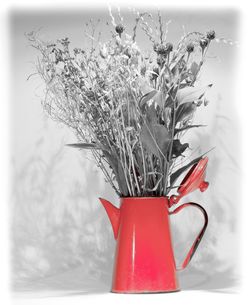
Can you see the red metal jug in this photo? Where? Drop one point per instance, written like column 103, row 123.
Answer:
column 144, row 260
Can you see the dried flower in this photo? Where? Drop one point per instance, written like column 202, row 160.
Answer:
column 127, row 52
column 169, row 47
column 155, row 74
column 77, row 51
column 203, row 43
column 119, row 29
column 65, row 42
column 211, row 35
column 101, row 83
column 162, row 49
column 81, row 108
column 156, row 70
column 155, row 46
column 90, row 95
column 51, row 45
column 190, row 47
column 115, row 89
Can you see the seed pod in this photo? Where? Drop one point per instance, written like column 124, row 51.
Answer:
column 203, row 42
column 190, row 47
column 206, row 102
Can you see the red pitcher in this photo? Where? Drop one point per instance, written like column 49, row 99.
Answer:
column 144, row 260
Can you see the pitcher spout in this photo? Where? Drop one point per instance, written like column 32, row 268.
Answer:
column 113, row 214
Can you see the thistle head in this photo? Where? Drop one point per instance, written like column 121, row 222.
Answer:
column 169, row 47
column 211, row 34
column 162, row 49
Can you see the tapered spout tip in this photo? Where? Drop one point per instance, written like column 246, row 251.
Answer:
column 113, row 214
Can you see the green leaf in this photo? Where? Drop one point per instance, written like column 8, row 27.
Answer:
column 167, row 116
column 178, row 148
column 155, row 138
column 184, row 110
column 177, row 130
column 148, row 96
column 159, row 99
column 151, row 115
column 85, row 146
column 144, row 85
column 190, row 94
column 175, row 63
column 194, row 68
column 169, row 101
column 156, row 96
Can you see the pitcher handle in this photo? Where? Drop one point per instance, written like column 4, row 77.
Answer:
column 200, row 235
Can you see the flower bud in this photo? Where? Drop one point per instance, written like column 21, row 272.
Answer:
column 198, row 103
column 206, row 102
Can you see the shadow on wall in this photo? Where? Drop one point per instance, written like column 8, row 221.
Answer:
column 58, row 225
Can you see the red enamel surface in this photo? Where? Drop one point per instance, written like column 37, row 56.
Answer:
column 144, row 259
column 195, row 179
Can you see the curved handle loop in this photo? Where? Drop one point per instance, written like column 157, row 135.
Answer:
column 200, row 235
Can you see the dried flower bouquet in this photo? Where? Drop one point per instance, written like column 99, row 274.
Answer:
column 129, row 108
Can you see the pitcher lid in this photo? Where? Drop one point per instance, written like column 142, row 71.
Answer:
column 194, row 178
